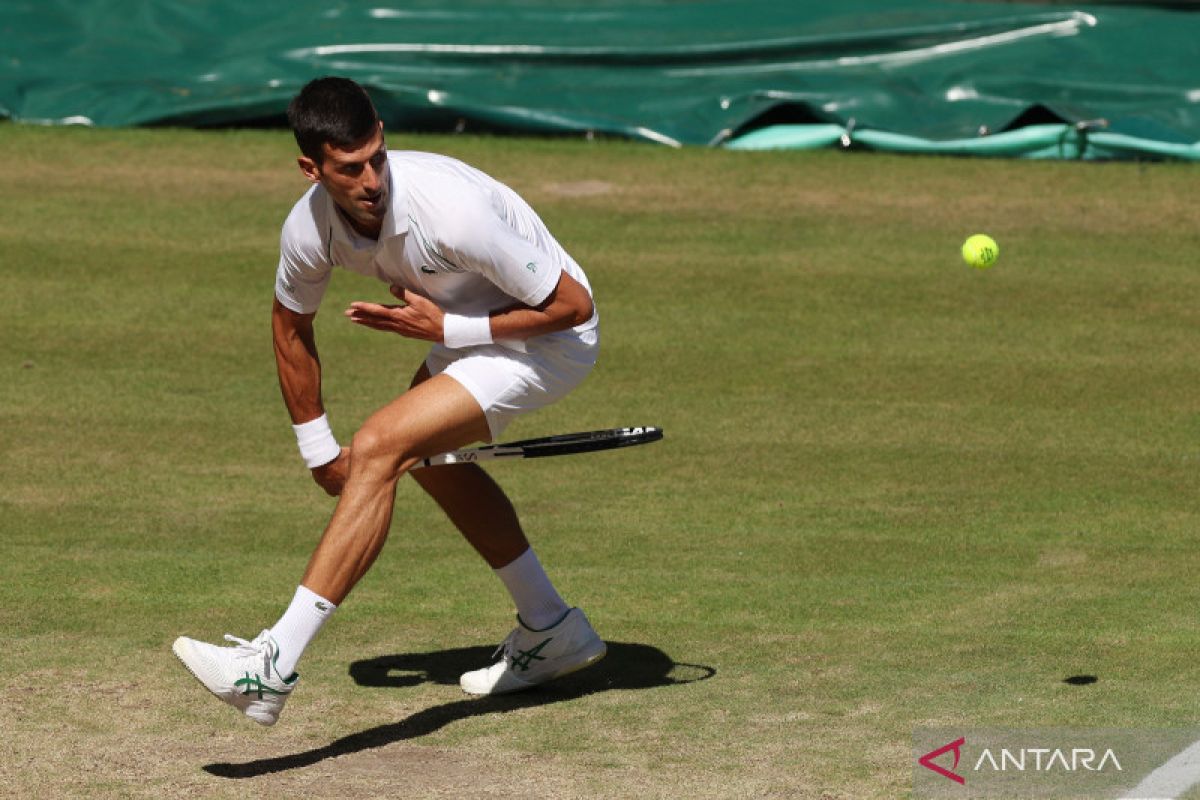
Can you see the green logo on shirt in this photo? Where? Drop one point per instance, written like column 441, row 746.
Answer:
column 531, row 266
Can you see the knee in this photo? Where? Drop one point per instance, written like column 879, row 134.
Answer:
column 372, row 453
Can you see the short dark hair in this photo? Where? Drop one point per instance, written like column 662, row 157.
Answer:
column 331, row 110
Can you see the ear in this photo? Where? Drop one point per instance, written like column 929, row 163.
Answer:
column 310, row 168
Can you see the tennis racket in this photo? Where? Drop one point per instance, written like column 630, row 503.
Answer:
column 561, row 445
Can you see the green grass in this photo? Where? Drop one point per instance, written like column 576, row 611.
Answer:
column 895, row 492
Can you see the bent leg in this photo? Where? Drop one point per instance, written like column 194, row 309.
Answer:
column 479, row 509
column 475, row 504
column 435, row 416
column 560, row 638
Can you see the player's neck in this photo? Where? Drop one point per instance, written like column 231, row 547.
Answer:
column 370, row 231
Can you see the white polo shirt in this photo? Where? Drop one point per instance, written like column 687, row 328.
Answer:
column 451, row 233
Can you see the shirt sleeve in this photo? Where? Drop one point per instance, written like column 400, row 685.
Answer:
column 304, row 262
column 483, row 242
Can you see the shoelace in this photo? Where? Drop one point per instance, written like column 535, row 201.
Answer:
column 506, row 647
column 246, row 648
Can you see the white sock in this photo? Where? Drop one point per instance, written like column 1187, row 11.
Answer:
column 298, row 626
column 538, row 604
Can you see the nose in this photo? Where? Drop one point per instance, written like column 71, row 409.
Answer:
column 371, row 180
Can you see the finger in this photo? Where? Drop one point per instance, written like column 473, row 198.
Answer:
column 417, row 300
column 398, row 292
column 374, row 308
column 384, row 313
column 365, row 313
column 362, row 318
column 376, row 324
column 376, row 315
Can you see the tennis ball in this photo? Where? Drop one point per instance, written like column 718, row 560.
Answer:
column 980, row 251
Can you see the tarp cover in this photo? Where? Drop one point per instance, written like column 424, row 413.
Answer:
column 926, row 73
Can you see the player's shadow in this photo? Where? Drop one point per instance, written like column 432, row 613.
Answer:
column 627, row 666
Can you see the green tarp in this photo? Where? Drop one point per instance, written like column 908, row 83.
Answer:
column 916, row 76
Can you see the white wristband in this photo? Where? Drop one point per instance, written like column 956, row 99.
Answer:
column 317, row 445
column 459, row 331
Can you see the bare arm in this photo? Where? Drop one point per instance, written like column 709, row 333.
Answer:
column 297, row 363
column 300, row 381
column 567, row 306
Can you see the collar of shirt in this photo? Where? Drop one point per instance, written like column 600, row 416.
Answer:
column 395, row 222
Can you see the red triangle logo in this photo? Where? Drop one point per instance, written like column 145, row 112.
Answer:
column 927, row 760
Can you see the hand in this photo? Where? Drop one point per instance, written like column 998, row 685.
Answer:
column 332, row 476
column 418, row 318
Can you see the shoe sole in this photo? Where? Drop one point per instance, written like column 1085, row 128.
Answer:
column 592, row 657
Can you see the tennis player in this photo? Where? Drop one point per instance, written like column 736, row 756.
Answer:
column 513, row 328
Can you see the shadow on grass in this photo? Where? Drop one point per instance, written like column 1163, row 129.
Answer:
column 627, row 666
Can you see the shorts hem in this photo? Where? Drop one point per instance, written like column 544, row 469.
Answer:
column 495, row 423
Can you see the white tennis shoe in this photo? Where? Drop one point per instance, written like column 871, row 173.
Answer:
column 529, row 657
column 244, row 676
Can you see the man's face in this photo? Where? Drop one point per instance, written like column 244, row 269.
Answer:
column 356, row 179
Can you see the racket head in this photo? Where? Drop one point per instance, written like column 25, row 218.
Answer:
column 562, row 444
column 587, row 442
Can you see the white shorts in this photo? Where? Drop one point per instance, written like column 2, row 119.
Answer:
column 507, row 383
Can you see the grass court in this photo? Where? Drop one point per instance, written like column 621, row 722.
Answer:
column 894, row 492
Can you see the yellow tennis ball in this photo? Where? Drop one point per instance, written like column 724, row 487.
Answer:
column 980, row 251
